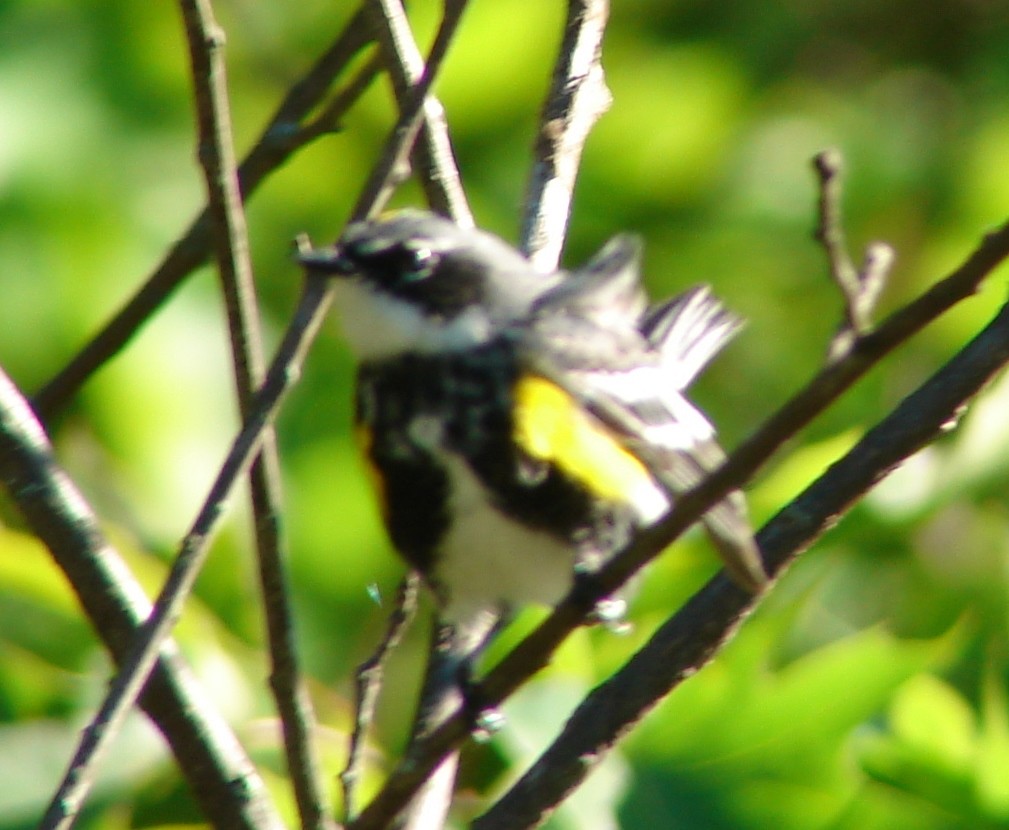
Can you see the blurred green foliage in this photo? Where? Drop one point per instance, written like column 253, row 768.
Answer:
column 869, row 691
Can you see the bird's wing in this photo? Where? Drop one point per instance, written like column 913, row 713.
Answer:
column 606, row 290
column 629, row 370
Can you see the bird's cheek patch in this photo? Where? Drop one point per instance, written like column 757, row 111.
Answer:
column 551, row 427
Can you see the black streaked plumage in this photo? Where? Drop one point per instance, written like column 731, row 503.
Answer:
column 470, row 393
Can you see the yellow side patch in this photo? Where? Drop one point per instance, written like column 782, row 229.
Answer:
column 550, row 426
column 364, row 438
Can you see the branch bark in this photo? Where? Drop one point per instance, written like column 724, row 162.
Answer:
column 141, row 653
column 220, row 774
column 577, row 98
column 391, row 168
column 433, row 157
column 695, row 633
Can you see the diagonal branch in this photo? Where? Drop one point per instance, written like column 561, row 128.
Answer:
column 433, row 156
column 390, row 170
column 692, row 636
column 219, row 772
column 367, row 684
column 141, row 654
column 577, row 98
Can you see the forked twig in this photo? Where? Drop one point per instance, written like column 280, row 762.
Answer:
column 368, row 684
column 860, row 287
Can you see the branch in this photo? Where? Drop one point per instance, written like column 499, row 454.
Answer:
column 283, row 136
column 533, row 653
column 391, row 168
column 217, row 156
column 860, row 288
column 577, row 98
column 142, row 651
column 692, row 636
column 368, row 683
column 220, row 774
column 433, row 156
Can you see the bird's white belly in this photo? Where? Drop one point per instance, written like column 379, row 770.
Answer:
column 488, row 559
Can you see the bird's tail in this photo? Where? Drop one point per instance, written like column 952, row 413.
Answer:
column 688, row 331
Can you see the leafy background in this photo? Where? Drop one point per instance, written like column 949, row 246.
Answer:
column 870, row 690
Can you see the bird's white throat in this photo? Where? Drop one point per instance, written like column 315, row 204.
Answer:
column 379, row 325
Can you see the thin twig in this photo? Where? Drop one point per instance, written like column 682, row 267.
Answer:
column 692, row 636
column 577, row 98
column 328, row 118
column 860, row 288
column 433, row 157
column 143, row 650
column 872, row 276
column 533, row 653
column 829, row 167
column 217, row 156
column 281, row 137
column 220, row 774
column 390, row 169
column 368, row 684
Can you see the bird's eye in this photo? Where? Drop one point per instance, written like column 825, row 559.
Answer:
column 393, row 263
column 418, row 263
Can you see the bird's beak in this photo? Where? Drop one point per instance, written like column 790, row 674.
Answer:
column 328, row 260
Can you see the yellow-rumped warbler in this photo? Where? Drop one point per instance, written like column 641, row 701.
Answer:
column 499, row 407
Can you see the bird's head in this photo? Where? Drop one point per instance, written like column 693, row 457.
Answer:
column 417, row 282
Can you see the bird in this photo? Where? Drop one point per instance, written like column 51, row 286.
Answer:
column 522, row 426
